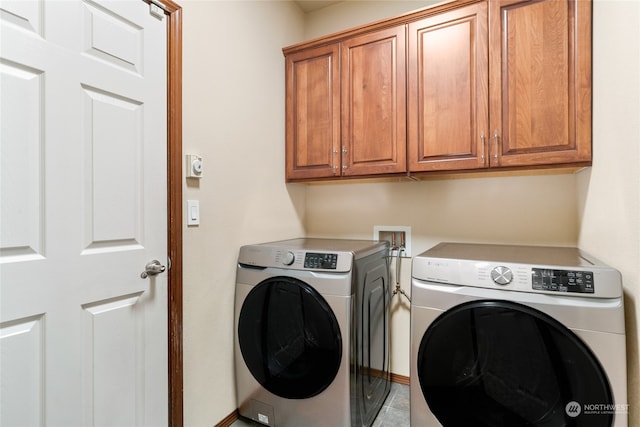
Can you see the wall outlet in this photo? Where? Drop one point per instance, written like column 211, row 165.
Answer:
column 398, row 236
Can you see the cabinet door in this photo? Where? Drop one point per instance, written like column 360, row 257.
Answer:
column 540, row 82
column 448, row 99
column 374, row 103
column 313, row 113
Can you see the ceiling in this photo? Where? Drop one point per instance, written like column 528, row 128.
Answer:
column 313, row 5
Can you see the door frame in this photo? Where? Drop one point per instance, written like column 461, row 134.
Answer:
column 173, row 11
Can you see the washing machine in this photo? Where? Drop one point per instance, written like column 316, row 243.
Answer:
column 508, row 336
column 312, row 332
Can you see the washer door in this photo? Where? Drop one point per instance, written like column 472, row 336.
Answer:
column 289, row 338
column 499, row 363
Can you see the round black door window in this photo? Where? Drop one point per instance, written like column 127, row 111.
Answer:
column 289, row 338
column 503, row 364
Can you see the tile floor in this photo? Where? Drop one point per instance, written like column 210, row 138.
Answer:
column 394, row 412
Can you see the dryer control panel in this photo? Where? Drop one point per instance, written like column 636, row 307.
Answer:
column 266, row 257
column 311, row 254
column 320, row 260
column 544, row 279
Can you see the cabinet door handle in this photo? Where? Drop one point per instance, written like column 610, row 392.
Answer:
column 496, row 139
column 482, row 141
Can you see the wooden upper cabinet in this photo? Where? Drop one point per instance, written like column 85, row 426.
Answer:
column 448, row 90
column 461, row 86
column 346, row 107
column 312, row 81
column 540, row 82
column 374, row 103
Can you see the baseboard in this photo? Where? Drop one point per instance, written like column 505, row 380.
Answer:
column 232, row 417
column 400, row 379
column 229, row 419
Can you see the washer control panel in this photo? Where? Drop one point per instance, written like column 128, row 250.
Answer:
column 544, row 279
column 516, row 277
column 288, row 258
column 501, row 275
column 535, row 269
column 324, row 261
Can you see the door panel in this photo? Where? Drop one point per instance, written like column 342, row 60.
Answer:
column 537, row 76
column 114, row 387
column 313, row 113
column 113, row 201
column 540, row 99
column 21, row 180
column 23, row 350
column 83, row 337
column 373, row 103
column 113, row 38
column 448, row 84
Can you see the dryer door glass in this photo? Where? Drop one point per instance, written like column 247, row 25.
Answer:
column 289, row 338
column 499, row 363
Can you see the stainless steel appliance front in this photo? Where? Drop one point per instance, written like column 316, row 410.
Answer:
column 516, row 335
column 312, row 332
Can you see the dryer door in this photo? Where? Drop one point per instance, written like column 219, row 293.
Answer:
column 499, row 363
column 289, row 338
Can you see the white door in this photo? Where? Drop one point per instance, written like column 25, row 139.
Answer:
column 83, row 338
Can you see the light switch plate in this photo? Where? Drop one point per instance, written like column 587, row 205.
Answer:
column 193, row 212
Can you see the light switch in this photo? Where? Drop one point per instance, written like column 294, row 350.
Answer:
column 193, row 212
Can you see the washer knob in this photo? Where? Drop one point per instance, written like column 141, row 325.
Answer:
column 502, row 275
column 288, row 259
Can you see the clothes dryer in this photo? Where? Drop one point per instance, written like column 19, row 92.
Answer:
column 312, row 332
column 516, row 336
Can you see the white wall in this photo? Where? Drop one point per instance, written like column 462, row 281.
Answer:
column 349, row 14
column 609, row 214
column 233, row 97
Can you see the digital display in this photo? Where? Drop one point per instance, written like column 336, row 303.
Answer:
column 321, row 261
column 544, row 279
